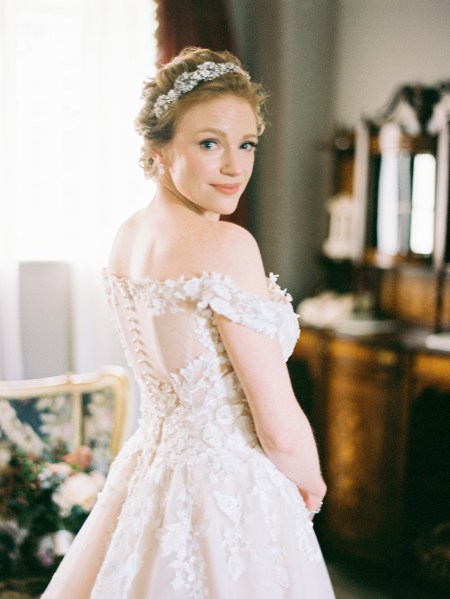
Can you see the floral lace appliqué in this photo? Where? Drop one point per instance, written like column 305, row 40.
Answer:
column 192, row 490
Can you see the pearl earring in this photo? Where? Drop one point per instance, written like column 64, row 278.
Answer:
column 161, row 169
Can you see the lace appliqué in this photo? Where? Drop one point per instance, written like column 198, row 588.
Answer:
column 181, row 539
column 234, row 539
column 274, row 316
column 195, row 435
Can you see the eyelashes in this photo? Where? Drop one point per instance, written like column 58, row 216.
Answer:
column 250, row 144
column 210, row 144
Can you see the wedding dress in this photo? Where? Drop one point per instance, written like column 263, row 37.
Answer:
column 192, row 507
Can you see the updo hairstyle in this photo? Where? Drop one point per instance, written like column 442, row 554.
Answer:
column 157, row 132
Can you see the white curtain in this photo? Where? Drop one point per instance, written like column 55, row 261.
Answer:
column 72, row 71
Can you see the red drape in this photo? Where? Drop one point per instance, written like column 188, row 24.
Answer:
column 182, row 23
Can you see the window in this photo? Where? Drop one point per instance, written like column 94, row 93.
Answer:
column 71, row 79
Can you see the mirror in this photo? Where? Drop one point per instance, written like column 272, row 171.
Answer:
column 397, row 176
column 421, row 238
column 404, row 193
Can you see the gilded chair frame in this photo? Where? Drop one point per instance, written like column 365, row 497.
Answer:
column 75, row 386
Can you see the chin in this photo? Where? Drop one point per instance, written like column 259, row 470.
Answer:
column 228, row 211
column 230, row 206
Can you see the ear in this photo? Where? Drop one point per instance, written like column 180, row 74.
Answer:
column 161, row 155
column 158, row 158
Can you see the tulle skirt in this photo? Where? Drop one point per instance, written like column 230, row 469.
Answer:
column 225, row 525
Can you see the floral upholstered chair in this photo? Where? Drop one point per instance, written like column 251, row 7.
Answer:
column 58, row 436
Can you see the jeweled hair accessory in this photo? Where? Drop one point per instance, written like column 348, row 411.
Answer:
column 186, row 82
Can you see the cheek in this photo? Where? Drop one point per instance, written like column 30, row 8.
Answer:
column 177, row 165
column 249, row 165
column 182, row 173
column 191, row 166
column 186, row 176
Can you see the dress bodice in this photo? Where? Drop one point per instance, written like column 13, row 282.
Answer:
column 190, row 394
column 208, row 293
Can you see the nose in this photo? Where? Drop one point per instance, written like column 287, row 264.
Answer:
column 231, row 164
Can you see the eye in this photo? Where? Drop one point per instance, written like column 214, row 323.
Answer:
column 250, row 146
column 208, row 144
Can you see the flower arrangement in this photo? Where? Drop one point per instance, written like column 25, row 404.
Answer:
column 44, row 501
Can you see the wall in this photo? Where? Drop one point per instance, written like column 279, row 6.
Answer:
column 382, row 44
column 326, row 62
column 287, row 44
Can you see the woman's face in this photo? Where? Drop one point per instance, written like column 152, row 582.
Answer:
column 210, row 158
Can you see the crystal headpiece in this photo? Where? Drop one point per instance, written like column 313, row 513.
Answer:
column 186, row 82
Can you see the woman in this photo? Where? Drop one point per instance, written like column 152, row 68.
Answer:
column 213, row 496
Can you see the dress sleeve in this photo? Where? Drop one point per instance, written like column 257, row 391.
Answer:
column 274, row 317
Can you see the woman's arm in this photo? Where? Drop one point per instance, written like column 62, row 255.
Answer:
column 282, row 428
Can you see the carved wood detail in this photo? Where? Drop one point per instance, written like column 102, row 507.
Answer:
column 365, row 391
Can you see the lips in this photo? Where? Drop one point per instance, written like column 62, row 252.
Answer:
column 227, row 189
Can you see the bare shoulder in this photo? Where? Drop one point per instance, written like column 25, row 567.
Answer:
column 124, row 234
column 224, row 234
column 232, row 250
column 126, row 228
column 129, row 224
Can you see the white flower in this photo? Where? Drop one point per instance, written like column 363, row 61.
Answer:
column 17, row 534
column 213, row 435
column 5, row 456
column 61, row 469
column 226, row 414
column 45, row 551
column 80, row 489
column 62, row 539
column 230, row 505
column 192, row 288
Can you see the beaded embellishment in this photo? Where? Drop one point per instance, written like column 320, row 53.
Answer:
column 186, row 82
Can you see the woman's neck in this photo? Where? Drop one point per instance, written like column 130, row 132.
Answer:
column 167, row 197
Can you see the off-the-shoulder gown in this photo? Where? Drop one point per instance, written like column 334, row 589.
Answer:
column 192, row 507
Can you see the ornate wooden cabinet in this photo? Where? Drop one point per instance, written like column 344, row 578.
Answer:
column 365, row 391
column 363, row 428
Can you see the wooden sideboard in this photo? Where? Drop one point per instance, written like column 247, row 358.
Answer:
column 380, row 404
column 386, row 466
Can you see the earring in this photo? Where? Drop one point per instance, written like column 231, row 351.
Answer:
column 161, row 169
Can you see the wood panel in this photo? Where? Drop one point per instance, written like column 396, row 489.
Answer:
column 388, row 292
column 416, row 297
column 429, row 369
column 365, row 417
column 445, row 309
column 367, row 390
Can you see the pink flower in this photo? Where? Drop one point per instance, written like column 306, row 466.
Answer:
column 80, row 458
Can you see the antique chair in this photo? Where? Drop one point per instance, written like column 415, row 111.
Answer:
column 50, row 430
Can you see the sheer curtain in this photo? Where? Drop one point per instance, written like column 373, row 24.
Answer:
column 70, row 80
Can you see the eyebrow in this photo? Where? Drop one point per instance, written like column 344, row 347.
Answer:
column 219, row 132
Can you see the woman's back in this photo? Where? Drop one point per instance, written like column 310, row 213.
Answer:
column 163, row 241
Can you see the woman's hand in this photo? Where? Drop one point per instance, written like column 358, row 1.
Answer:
column 313, row 501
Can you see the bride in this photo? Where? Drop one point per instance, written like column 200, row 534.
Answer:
column 214, row 494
